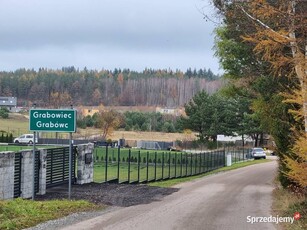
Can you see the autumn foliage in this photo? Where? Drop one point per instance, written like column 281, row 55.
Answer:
column 276, row 33
column 108, row 121
column 297, row 161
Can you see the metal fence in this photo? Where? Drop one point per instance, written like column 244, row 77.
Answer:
column 124, row 165
column 57, row 170
column 238, row 154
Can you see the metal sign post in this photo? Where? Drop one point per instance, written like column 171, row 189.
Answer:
column 33, row 180
column 70, row 165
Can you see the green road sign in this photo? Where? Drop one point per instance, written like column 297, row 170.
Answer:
column 53, row 120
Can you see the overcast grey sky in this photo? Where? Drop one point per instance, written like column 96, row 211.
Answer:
column 106, row 34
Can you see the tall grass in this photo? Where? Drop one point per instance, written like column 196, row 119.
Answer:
column 286, row 203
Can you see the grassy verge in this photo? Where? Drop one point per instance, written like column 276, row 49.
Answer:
column 19, row 214
column 285, row 204
column 168, row 171
column 152, row 165
column 23, row 147
column 170, row 183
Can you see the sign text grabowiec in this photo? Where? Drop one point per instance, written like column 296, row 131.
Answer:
column 53, row 120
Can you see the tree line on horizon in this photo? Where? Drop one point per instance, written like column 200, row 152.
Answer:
column 58, row 88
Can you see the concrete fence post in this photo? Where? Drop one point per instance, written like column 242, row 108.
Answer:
column 229, row 159
column 85, row 165
column 26, row 173
column 7, row 169
column 42, row 172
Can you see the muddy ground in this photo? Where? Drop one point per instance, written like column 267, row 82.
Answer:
column 122, row 195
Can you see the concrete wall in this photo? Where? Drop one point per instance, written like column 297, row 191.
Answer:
column 7, row 160
column 7, row 168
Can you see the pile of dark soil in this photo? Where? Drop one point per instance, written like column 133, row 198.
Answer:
column 122, row 195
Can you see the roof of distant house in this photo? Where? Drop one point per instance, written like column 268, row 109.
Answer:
column 8, row 101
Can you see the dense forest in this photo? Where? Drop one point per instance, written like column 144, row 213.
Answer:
column 56, row 88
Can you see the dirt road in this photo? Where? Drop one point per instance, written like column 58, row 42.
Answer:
column 221, row 201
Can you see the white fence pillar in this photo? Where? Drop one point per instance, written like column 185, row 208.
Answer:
column 228, row 159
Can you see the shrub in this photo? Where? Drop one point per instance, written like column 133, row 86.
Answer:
column 4, row 112
column 6, row 138
column 2, row 137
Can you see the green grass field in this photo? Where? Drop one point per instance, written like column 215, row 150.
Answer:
column 154, row 173
column 22, row 147
column 149, row 165
column 14, row 148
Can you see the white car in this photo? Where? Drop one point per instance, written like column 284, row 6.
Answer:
column 258, row 153
column 25, row 139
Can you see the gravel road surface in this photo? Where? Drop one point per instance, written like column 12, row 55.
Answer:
column 221, row 201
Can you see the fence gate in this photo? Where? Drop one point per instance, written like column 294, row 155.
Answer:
column 58, row 166
column 17, row 173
